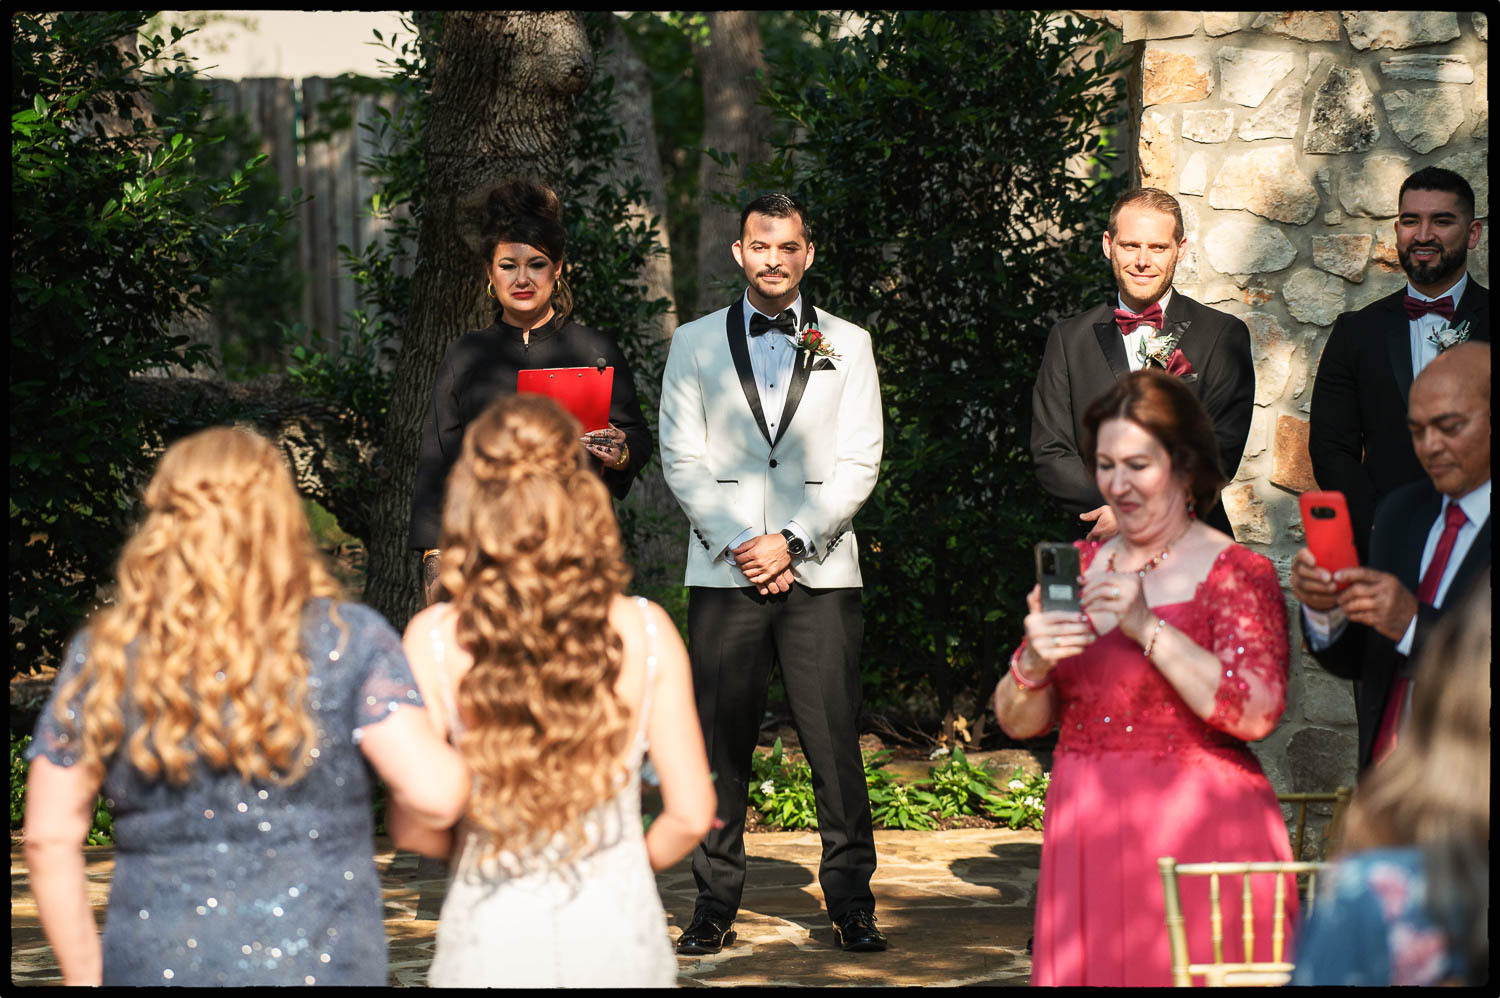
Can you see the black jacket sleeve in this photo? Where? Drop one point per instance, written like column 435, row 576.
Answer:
column 1335, row 442
column 1055, row 452
column 442, row 437
column 625, row 414
column 1228, row 393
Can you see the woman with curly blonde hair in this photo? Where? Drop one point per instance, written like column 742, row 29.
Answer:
column 228, row 703
column 556, row 687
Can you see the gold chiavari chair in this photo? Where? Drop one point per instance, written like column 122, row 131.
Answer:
column 1338, row 798
column 1247, row 972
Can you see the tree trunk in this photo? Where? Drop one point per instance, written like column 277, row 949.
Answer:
column 504, row 91
column 733, row 122
column 640, row 159
column 657, row 525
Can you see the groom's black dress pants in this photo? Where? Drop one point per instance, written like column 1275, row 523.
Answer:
column 734, row 635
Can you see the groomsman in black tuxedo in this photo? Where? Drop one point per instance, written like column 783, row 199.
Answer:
column 771, row 435
column 1357, row 433
column 1149, row 323
column 1430, row 541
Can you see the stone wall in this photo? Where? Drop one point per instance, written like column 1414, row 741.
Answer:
column 1286, row 135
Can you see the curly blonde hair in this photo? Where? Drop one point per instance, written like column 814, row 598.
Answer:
column 204, row 637
column 532, row 558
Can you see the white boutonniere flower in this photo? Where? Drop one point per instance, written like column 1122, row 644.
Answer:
column 1156, row 347
column 1449, row 336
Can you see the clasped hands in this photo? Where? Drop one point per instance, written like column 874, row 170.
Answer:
column 614, row 453
column 765, row 561
column 1376, row 599
column 1107, row 599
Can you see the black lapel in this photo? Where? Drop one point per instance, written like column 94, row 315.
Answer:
column 801, row 371
column 1427, row 510
column 1476, row 561
column 740, row 351
column 1475, row 307
column 1113, row 345
column 1179, row 307
column 1397, row 334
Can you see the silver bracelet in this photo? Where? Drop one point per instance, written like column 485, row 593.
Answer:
column 1151, row 643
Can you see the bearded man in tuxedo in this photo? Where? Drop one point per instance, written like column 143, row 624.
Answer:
column 1357, row 434
column 771, row 435
column 1148, row 324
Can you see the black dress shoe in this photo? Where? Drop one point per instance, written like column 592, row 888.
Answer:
column 856, row 932
column 706, row 934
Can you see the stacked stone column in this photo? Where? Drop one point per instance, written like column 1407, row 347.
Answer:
column 1285, row 136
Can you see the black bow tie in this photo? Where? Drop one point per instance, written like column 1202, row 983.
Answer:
column 786, row 323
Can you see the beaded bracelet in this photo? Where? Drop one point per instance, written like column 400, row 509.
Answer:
column 1015, row 671
column 1151, row 643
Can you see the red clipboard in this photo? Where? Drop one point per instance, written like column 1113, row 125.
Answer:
column 583, row 391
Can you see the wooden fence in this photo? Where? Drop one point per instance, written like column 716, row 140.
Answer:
column 337, row 209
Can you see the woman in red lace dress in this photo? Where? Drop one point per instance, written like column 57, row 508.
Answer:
column 1178, row 658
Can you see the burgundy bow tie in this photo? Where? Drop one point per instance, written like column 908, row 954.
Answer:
column 1417, row 307
column 1128, row 320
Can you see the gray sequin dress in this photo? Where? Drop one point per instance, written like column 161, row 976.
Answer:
column 223, row 882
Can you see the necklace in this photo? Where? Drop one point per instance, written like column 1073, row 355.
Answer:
column 1154, row 562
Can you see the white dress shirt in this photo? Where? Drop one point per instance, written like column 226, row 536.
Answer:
column 1135, row 339
column 1324, row 628
column 772, row 359
column 1424, row 350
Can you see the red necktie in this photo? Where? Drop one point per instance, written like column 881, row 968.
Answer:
column 1418, row 307
column 1454, row 519
column 1128, row 320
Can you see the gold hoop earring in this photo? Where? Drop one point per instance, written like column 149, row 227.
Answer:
column 489, row 288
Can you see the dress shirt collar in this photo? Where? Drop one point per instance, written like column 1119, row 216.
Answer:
column 750, row 310
column 1165, row 300
column 1476, row 505
column 1456, row 292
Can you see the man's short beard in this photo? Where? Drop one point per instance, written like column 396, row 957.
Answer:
column 1445, row 266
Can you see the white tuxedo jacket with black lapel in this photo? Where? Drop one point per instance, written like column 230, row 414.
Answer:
column 728, row 474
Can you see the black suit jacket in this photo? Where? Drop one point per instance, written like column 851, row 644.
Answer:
column 1085, row 355
column 1357, row 435
column 1402, row 521
column 481, row 366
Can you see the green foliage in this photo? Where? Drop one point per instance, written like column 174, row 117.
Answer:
column 116, row 230
column 1023, row 801
column 781, row 789
column 962, row 788
column 101, row 830
column 894, row 804
column 933, row 151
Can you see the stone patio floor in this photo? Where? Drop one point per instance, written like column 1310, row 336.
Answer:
column 956, row 905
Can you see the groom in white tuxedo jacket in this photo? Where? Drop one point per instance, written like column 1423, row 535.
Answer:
column 771, row 435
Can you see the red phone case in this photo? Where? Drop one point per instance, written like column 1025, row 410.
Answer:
column 1330, row 539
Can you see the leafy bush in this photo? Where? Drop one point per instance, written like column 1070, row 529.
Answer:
column 942, row 159
column 781, row 789
column 101, row 831
column 962, row 788
column 1023, row 802
column 894, row 804
column 115, row 230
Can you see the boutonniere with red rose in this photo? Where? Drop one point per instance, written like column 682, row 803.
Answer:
column 1160, row 348
column 814, row 343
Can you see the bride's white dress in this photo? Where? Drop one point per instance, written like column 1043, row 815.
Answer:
column 534, row 921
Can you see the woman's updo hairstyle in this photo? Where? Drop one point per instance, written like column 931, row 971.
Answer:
column 523, row 211
column 1164, row 407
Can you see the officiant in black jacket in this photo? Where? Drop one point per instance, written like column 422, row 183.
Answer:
column 522, row 246
column 1152, row 324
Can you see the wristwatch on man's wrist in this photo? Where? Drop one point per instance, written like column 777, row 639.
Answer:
column 794, row 545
